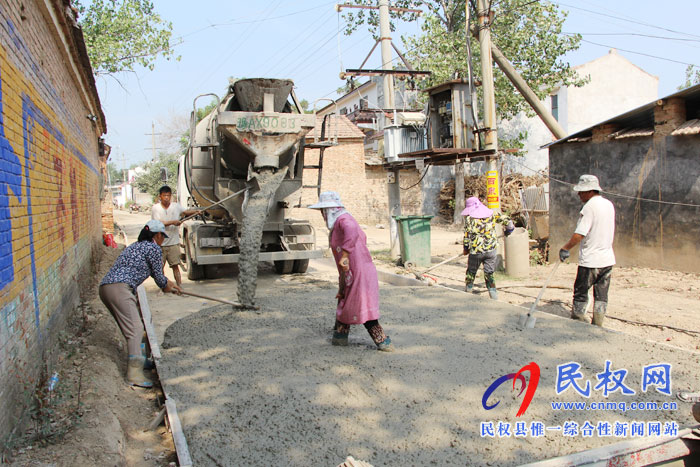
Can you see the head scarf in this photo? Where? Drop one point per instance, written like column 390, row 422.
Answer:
column 332, row 214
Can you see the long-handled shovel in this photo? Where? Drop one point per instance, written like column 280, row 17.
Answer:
column 419, row 275
column 251, row 185
column 528, row 320
column 220, row 300
column 235, row 305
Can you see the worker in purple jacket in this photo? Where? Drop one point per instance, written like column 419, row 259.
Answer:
column 358, row 291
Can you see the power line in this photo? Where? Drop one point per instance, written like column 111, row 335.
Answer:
column 301, row 63
column 221, row 61
column 617, row 195
column 299, row 43
column 634, row 52
column 631, row 34
column 355, row 44
column 234, row 23
column 623, row 19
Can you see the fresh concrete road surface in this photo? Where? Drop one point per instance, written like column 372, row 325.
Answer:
column 267, row 388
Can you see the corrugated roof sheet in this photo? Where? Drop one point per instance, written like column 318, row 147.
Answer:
column 632, row 133
column 691, row 127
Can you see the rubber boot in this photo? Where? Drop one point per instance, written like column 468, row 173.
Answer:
column 599, row 313
column 340, row 338
column 578, row 311
column 134, row 372
column 493, row 293
column 386, row 345
column 469, row 287
column 148, row 363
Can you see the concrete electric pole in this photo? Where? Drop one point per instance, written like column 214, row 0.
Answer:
column 153, row 147
column 393, row 185
column 491, row 137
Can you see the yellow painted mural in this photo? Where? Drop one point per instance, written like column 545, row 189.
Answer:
column 46, row 184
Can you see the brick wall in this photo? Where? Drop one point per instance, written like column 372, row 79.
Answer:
column 363, row 189
column 669, row 114
column 50, row 181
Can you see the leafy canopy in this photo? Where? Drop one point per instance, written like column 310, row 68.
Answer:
column 150, row 181
column 692, row 77
column 528, row 33
column 116, row 176
column 123, row 34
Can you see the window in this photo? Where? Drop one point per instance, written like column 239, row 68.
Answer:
column 344, row 111
column 555, row 106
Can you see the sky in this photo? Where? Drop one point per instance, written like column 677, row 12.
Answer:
column 300, row 40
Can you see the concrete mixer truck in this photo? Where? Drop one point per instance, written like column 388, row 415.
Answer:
column 255, row 133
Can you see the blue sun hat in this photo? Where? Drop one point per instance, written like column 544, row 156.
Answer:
column 155, row 226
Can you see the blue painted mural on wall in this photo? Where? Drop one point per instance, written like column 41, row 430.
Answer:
column 10, row 181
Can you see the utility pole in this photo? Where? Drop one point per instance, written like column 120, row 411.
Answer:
column 388, row 73
column 491, row 138
column 385, row 38
column 123, row 161
column 153, row 134
column 394, row 191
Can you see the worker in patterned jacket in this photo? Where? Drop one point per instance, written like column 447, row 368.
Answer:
column 117, row 291
column 480, row 242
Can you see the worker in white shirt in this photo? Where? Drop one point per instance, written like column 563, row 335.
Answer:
column 170, row 213
column 595, row 230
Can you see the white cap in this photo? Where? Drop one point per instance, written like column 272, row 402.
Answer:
column 155, row 226
column 587, row 183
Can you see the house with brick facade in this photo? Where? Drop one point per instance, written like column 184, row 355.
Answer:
column 647, row 162
column 361, row 184
column 53, row 166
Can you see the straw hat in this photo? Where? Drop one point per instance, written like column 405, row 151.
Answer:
column 476, row 209
column 328, row 199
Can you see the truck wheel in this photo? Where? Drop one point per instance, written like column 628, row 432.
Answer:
column 194, row 270
column 284, row 267
column 300, row 265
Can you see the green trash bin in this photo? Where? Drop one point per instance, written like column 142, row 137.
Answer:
column 414, row 239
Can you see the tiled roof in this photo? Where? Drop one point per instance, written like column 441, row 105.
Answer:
column 336, row 126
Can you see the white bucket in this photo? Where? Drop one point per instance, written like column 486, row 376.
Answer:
column 518, row 253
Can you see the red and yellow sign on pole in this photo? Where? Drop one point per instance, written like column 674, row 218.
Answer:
column 493, row 200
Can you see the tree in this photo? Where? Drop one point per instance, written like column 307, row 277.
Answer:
column 150, row 181
column 305, row 106
column 122, row 34
column 528, row 33
column 350, row 84
column 115, row 175
column 692, row 77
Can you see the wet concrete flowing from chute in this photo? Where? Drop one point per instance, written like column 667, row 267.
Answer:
column 254, row 217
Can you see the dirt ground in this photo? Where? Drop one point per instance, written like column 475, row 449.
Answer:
column 114, row 416
column 111, row 416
